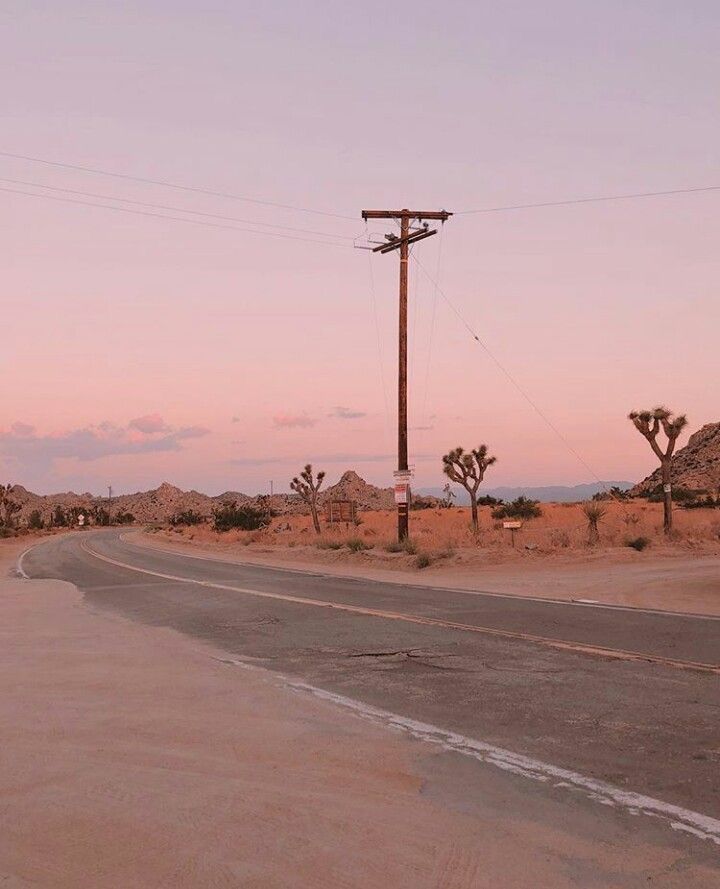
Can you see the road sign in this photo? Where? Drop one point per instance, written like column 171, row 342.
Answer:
column 401, row 493
column 512, row 526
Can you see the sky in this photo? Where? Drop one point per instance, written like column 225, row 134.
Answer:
column 222, row 351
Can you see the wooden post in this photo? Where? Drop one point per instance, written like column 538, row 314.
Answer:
column 403, row 242
column 403, row 508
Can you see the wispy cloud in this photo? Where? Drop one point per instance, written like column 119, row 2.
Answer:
column 346, row 413
column 149, row 434
column 421, row 428
column 293, row 421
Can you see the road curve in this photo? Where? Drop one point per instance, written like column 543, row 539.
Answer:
column 631, row 698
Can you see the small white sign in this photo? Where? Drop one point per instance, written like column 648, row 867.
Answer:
column 401, row 493
column 81, row 520
column 667, row 489
column 512, row 526
column 403, row 475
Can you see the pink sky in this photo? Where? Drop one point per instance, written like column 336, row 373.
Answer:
column 138, row 349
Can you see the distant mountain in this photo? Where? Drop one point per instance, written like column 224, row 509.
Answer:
column 160, row 504
column 546, row 493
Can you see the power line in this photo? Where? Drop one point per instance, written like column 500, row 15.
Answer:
column 510, row 377
column 147, row 213
column 423, row 415
column 110, row 197
column 167, row 184
column 593, row 200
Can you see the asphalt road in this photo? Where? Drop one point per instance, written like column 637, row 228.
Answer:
column 627, row 697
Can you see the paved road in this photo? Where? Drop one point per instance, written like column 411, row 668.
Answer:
column 567, row 696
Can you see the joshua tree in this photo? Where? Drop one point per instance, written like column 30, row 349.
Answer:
column 8, row 506
column 648, row 424
column 594, row 513
column 308, row 489
column 468, row 470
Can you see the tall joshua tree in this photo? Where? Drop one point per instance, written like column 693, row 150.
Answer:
column 308, row 489
column 648, row 424
column 468, row 470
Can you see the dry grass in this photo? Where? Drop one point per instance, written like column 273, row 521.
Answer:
column 447, row 534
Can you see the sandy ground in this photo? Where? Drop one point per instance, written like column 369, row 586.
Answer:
column 133, row 757
column 665, row 578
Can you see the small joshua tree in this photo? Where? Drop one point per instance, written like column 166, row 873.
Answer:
column 308, row 489
column 594, row 512
column 648, row 424
column 468, row 470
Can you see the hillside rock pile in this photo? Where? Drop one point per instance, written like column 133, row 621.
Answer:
column 696, row 466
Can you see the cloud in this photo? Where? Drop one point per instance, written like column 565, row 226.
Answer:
column 346, row 413
column 22, row 429
column 26, row 448
column 236, row 419
column 293, row 421
column 149, row 423
column 421, row 428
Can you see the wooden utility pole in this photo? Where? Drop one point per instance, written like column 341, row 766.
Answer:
column 402, row 243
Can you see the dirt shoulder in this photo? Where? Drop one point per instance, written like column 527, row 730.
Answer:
column 666, row 579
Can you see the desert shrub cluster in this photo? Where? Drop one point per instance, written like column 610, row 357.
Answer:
column 230, row 516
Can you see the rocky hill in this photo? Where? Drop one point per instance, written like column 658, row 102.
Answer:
column 695, row 466
column 160, row 504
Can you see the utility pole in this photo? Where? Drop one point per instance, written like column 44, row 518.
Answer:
column 402, row 243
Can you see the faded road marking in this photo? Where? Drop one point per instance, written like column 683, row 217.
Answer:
column 558, row 644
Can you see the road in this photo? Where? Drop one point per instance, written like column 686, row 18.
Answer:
column 573, row 693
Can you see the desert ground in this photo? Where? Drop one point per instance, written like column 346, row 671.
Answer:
column 550, row 558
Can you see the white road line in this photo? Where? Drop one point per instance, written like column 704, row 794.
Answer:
column 577, row 603
column 19, row 565
column 676, row 817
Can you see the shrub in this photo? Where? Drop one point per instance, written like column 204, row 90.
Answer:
column 487, row 500
column 423, row 560
column 679, row 495
column 520, row 508
column 101, row 516
column 59, row 517
column 614, row 493
column 356, row 545
column 594, row 513
column 330, row 544
column 702, row 503
column 638, row 543
column 245, row 518
column 187, row 517
column 35, row 521
column 403, row 546
column 124, row 518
